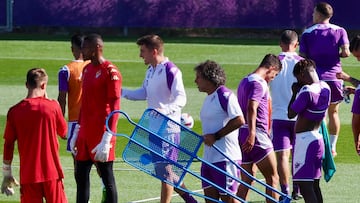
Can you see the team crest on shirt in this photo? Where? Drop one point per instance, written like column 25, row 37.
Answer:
column 98, row 74
column 226, row 94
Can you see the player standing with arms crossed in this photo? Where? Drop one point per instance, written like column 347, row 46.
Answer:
column 221, row 118
column 91, row 143
column 309, row 102
column 283, row 133
column 256, row 146
column 34, row 124
column 164, row 90
column 326, row 43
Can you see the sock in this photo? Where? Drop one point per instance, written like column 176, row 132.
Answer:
column 188, row 198
column 296, row 189
column 333, row 141
column 285, row 188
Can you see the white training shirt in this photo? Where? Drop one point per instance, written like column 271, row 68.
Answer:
column 213, row 118
column 155, row 90
column 280, row 87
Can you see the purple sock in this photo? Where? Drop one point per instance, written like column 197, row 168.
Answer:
column 188, row 198
column 285, row 188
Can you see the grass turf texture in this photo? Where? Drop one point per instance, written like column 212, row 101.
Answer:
column 238, row 57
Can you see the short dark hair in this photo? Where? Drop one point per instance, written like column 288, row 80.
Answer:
column 35, row 77
column 355, row 43
column 288, row 36
column 77, row 40
column 151, row 42
column 271, row 60
column 302, row 66
column 325, row 9
column 94, row 39
column 211, row 71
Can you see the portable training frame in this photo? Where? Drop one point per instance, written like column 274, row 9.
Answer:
column 158, row 140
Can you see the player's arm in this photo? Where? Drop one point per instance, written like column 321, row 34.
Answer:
column 137, row 94
column 63, row 78
column 62, row 101
column 8, row 181
column 295, row 89
column 344, row 51
column 61, row 126
column 251, row 118
column 178, row 93
column 356, row 131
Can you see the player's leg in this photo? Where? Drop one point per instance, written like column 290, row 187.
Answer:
column 243, row 191
column 54, row 191
column 336, row 88
column 318, row 190
column 103, row 198
column 334, row 125
column 31, row 192
column 283, row 168
column 268, row 168
column 187, row 197
column 307, row 190
column 282, row 136
column 82, row 178
column 107, row 176
column 166, row 192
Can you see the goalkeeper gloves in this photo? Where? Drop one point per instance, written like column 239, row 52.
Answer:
column 74, row 138
column 8, row 181
column 102, row 150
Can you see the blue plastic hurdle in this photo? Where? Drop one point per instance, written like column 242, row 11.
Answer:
column 156, row 136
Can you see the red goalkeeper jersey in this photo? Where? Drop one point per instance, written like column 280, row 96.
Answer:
column 101, row 85
column 35, row 123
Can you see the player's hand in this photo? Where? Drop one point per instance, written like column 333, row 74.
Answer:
column 102, row 150
column 209, row 139
column 73, row 139
column 8, row 183
column 249, row 144
column 295, row 87
column 7, row 186
column 343, row 76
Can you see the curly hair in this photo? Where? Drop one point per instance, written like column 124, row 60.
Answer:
column 212, row 71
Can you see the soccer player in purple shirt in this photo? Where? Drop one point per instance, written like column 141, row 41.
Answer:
column 283, row 134
column 254, row 139
column 309, row 102
column 326, row 43
column 355, row 50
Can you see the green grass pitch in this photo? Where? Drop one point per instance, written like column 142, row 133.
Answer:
column 238, row 57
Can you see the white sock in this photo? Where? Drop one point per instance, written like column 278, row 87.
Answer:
column 333, row 141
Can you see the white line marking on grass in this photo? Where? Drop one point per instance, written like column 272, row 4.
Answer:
column 134, row 61
column 157, row 198
column 113, row 60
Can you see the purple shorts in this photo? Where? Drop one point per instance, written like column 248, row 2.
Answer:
column 168, row 151
column 308, row 153
column 336, row 89
column 262, row 147
column 283, row 134
column 218, row 178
